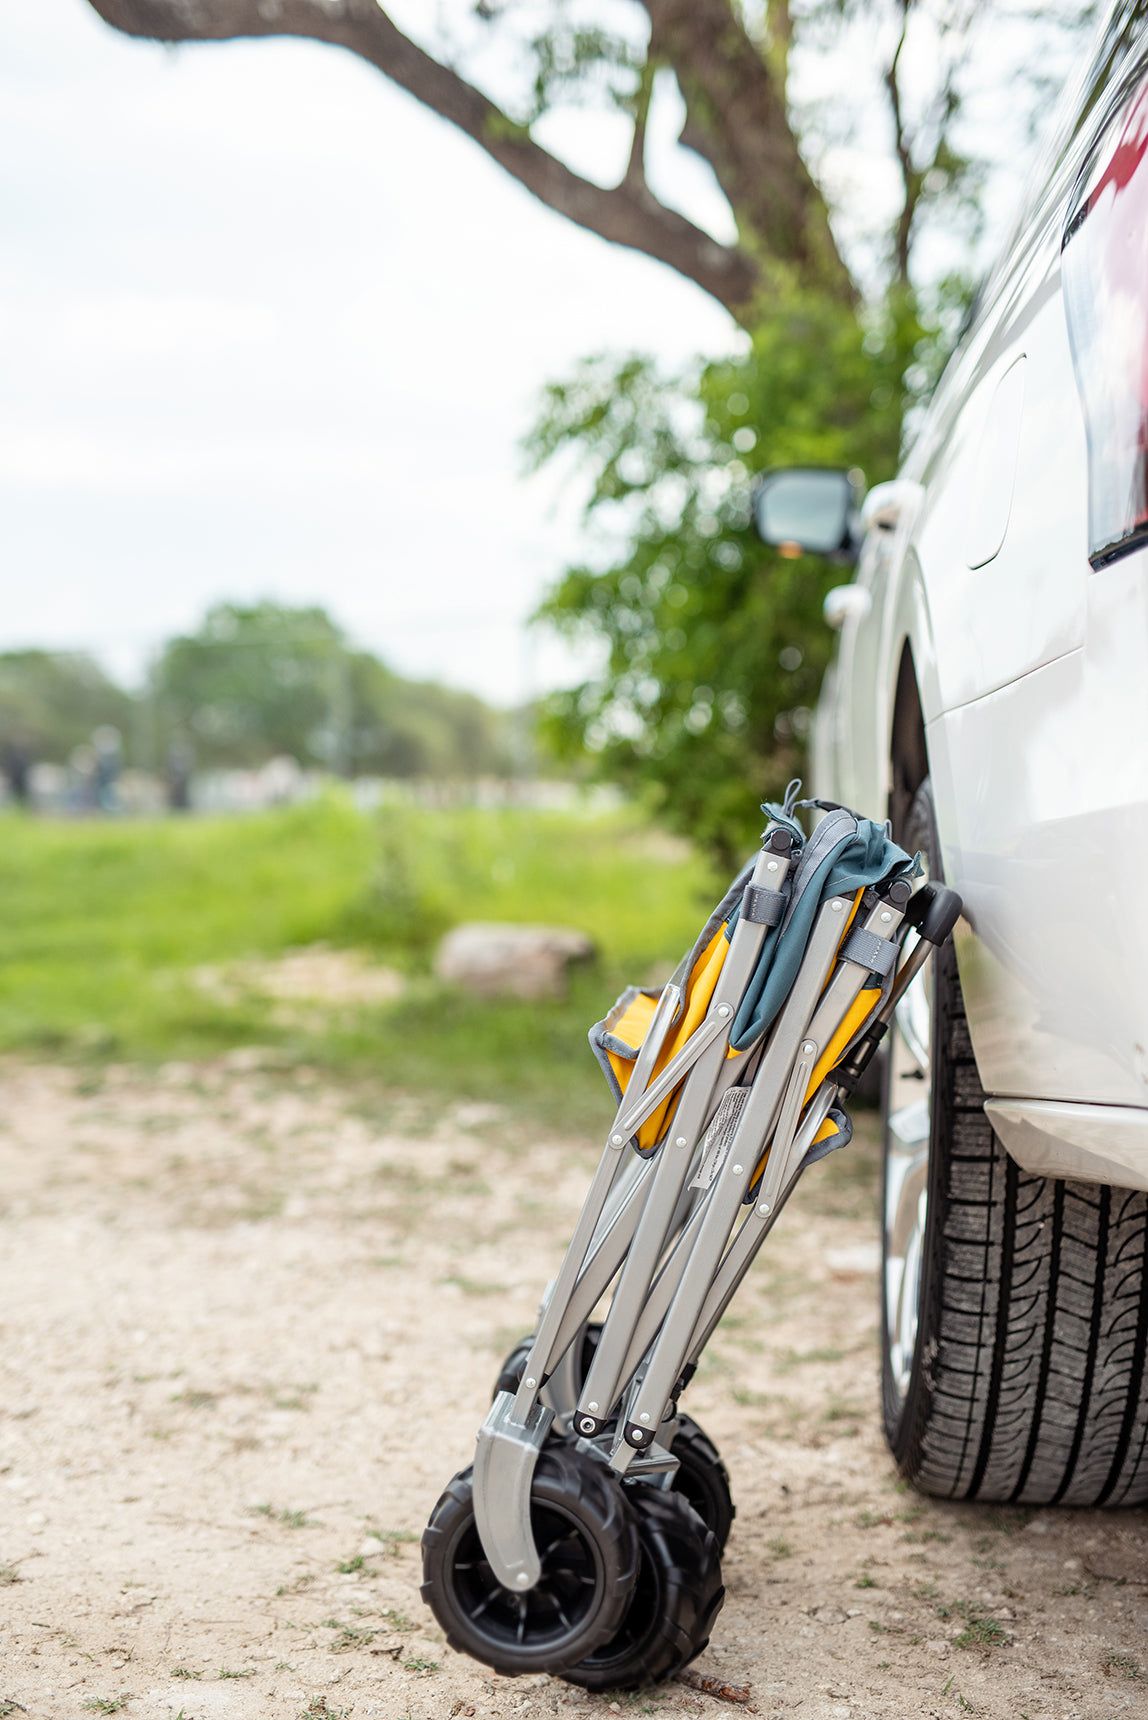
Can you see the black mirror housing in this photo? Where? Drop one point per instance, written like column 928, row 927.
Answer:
column 810, row 510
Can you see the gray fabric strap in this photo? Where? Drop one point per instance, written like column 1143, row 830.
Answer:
column 762, row 907
column 870, row 951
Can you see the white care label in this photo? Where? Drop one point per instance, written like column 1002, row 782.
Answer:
column 720, row 1137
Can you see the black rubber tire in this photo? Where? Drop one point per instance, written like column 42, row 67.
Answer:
column 702, row 1477
column 510, row 1373
column 676, row 1599
column 1028, row 1380
column 583, row 1520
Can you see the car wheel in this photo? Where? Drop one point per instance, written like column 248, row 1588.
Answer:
column 1014, row 1307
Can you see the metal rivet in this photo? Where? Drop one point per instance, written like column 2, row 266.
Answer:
column 615, row 1140
column 593, row 1406
column 737, row 1170
column 808, row 1048
column 724, row 1009
column 523, row 1579
column 764, row 1209
column 638, row 1436
column 587, row 1424
column 837, row 904
column 885, row 918
column 771, row 866
column 532, row 1382
column 645, row 1415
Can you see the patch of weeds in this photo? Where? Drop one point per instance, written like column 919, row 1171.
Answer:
column 317, row 1709
column 183, row 1672
column 1119, row 1664
column 843, row 1412
column 241, row 1672
column 289, row 1519
column 919, row 1537
column 392, row 1539
column 348, row 1636
column 10, row 1574
column 981, row 1629
column 397, row 1620
column 108, row 1704
column 8, row 1706
column 418, row 1664
column 197, row 1400
column 294, row 1397
column 798, row 1358
column 780, row 1548
column 284, row 1666
column 865, row 1582
column 347, row 1567
column 473, row 1287
column 926, row 1591
column 872, row 1519
column 878, row 1628
column 1007, row 1519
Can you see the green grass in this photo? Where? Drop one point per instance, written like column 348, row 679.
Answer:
column 105, row 924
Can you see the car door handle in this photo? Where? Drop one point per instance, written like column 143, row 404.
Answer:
column 886, row 505
column 846, row 603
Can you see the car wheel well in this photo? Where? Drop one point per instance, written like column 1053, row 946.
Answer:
column 909, row 759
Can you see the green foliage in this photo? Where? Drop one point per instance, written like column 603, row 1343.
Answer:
column 50, row 701
column 107, row 925
column 254, row 682
column 715, row 643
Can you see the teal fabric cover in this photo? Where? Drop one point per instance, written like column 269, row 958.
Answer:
column 843, row 855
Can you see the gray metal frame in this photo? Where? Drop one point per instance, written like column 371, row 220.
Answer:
column 676, row 1229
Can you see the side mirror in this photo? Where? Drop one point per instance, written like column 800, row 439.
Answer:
column 809, row 510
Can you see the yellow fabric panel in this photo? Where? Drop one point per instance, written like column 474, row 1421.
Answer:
column 639, row 1014
column 855, row 1016
column 631, row 1028
column 826, row 1132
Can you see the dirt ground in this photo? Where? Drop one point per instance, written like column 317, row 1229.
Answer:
column 250, row 1321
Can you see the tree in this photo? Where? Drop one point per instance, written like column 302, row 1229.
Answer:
column 50, row 702
column 730, row 60
column 255, row 682
column 714, row 645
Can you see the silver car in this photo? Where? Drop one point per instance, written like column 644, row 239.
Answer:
column 990, row 696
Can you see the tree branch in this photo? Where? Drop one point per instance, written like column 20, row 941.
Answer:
column 910, row 178
column 635, row 174
column 736, row 119
column 627, row 215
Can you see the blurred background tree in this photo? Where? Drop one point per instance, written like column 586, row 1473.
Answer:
column 256, row 682
column 50, row 701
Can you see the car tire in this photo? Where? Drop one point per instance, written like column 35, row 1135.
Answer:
column 1014, row 1307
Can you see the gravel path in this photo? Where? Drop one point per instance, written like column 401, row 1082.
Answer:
column 250, row 1321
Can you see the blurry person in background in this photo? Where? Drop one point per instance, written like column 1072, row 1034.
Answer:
column 108, row 749
column 180, row 762
column 82, row 779
column 16, row 763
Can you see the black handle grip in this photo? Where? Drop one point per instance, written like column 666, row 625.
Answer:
column 934, row 911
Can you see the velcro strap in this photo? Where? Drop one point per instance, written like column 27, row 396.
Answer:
column 870, row 951
column 763, row 907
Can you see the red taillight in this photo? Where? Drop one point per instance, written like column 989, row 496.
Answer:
column 1105, row 271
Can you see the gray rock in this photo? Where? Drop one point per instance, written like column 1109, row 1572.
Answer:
column 492, row 959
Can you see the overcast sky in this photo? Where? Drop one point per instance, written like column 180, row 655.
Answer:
column 268, row 328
